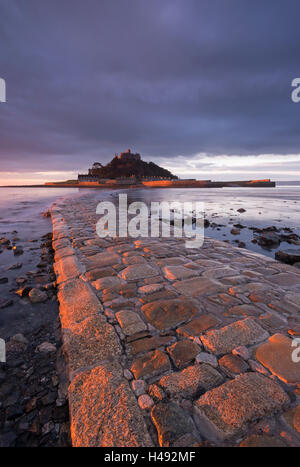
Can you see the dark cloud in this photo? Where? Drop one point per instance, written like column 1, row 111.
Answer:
column 86, row 79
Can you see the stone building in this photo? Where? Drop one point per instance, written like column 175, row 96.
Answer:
column 129, row 156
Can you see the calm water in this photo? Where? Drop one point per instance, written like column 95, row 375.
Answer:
column 21, row 211
column 21, row 221
column 21, row 208
column 265, row 207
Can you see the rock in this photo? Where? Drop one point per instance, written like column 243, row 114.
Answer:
column 14, row 411
column 37, row 296
column 18, row 250
column 255, row 366
column 138, row 386
column 3, row 280
column 130, row 322
column 67, row 268
column 241, row 210
column 150, row 289
column 23, row 292
column 295, row 331
column 49, row 286
column 46, row 347
column 224, row 300
column 156, row 392
column 235, row 231
column 241, row 351
column 77, row 302
column 21, row 280
column 104, row 411
column 5, row 303
column 292, row 418
column 47, row 428
column 233, row 365
column 296, row 419
column 166, row 314
column 137, row 272
column 243, row 310
column 174, row 260
column 31, row 404
column 276, row 356
column 171, row 422
column 183, row 352
column 15, row 266
column 218, row 273
column 289, row 256
column 208, row 358
column 151, row 364
column 178, row 272
column 224, row 340
column 269, row 239
column 227, row 409
column 272, row 228
column 101, row 260
column 190, row 381
column 198, row 286
column 197, row 326
column 90, row 342
column 20, row 338
column 49, row 398
column 99, row 273
column 284, row 279
column 292, row 297
column 145, row 402
column 108, row 284
column 149, row 343
column 156, row 296
column 128, row 375
column 129, row 260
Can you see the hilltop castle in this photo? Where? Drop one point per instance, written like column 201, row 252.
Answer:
column 125, row 168
column 128, row 156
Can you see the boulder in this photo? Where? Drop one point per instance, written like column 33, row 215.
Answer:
column 37, row 296
column 269, row 239
column 288, row 256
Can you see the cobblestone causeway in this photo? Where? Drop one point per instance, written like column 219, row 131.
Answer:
column 168, row 346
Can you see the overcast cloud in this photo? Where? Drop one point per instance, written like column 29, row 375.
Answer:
column 199, row 86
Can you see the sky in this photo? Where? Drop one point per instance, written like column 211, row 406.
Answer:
column 201, row 87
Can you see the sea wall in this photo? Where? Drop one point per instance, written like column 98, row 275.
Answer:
column 166, row 184
column 175, row 183
column 168, row 346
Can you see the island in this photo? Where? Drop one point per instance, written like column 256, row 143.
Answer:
column 129, row 170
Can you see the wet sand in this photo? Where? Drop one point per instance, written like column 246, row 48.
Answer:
column 34, row 406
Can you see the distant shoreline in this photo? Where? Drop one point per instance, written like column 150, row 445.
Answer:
column 267, row 183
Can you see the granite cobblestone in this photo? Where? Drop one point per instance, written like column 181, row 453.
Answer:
column 193, row 346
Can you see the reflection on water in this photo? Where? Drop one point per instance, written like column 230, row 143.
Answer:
column 264, row 207
column 20, row 208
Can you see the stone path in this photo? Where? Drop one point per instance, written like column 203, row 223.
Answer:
column 171, row 346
